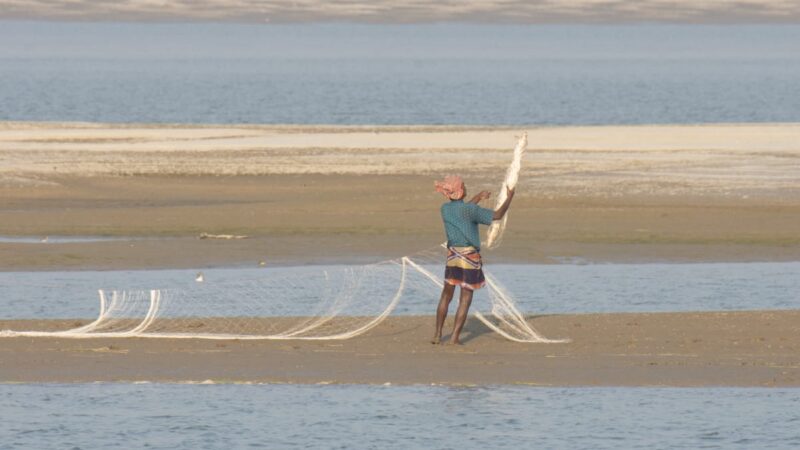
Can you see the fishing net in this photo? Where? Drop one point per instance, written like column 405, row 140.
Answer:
column 337, row 302
column 312, row 303
column 496, row 229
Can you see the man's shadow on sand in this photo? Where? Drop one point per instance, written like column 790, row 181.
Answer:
column 474, row 328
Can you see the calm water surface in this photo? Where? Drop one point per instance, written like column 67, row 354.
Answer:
column 540, row 289
column 411, row 74
column 286, row 416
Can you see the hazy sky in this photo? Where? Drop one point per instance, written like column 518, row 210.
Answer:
column 404, row 11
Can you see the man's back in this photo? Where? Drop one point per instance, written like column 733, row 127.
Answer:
column 461, row 223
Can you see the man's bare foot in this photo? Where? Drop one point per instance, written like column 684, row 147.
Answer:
column 454, row 343
column 436, row 340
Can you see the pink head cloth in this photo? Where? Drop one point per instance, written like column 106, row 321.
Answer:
column 452, row 187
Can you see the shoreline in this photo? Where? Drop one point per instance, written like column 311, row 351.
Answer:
column 185, row 254
column 690, row 349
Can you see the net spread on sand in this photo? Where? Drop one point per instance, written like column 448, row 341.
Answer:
column 337, row 302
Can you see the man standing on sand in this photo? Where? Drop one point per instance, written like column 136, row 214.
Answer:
column 464, row 267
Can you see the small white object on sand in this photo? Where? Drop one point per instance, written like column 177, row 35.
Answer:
column 222, row 236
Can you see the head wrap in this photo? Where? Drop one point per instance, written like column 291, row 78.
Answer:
column 452, row 187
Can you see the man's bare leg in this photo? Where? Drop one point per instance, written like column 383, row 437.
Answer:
column 441, row 311
column 461, row 315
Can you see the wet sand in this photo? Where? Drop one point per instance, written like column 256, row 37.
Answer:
column 307, row 195
column 753, row 348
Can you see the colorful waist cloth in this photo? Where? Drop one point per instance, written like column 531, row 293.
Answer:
column 464, row 268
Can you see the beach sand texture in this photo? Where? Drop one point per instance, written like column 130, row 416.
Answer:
column 306, row 194
column 754, row 348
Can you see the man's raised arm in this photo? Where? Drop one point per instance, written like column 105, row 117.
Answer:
column 501, row 211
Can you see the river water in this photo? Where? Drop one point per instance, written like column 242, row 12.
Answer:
column 403, row 74
column 537, row 289
column 168, row 416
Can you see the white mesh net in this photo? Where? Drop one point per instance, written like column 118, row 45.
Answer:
column 334, row 303
column 331, row 303
column 496, row 229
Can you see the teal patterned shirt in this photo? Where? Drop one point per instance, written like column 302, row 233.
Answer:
column 461, row 223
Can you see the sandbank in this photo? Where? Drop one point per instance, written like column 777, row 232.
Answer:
column 745, row 348
column 323, row 194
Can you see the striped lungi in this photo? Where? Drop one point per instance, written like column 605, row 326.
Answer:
column 464, row 268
